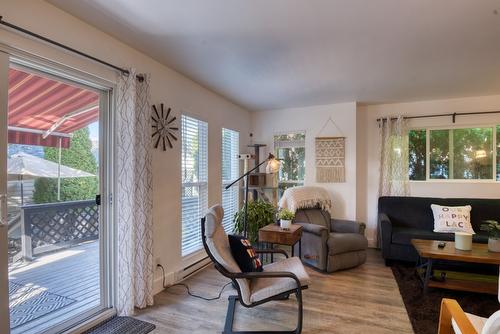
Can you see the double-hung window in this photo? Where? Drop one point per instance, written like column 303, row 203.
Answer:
column 194, row 136
column 290, row 148
column 455, row 154
column 230, row 172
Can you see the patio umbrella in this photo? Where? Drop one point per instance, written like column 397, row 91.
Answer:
column 26, row 165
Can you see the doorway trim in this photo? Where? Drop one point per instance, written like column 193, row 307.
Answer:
column 107, row 249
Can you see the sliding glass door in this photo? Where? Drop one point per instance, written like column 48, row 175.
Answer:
column 54, row 170
column 4, row 276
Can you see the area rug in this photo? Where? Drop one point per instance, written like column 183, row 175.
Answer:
column 423, row 311
column 27, row 303
column 122, row 325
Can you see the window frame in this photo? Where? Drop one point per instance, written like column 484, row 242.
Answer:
column 193, row 255
column 294, row 183
column 428, row 129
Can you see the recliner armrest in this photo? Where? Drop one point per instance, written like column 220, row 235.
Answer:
column 318, row 230
column 347, row 226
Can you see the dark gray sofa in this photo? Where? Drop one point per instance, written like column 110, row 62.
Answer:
column 401, row 219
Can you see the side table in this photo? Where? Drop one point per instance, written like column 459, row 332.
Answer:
column 274, row 234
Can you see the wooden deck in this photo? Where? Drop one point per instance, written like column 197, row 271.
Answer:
column 72, row 273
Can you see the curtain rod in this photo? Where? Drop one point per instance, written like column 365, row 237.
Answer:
column 452, row 115
column 65, row 47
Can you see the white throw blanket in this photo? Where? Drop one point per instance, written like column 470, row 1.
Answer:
column 305, row 197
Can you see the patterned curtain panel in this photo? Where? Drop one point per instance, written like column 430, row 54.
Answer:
column 394, row 157
column 134, row 195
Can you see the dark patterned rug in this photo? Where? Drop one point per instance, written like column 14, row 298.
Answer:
column 122, row 325
column 27, row 303
column 423, row 311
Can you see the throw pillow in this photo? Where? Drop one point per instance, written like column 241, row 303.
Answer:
column 244, row 254
column 451, row 219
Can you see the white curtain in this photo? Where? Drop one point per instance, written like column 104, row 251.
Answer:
column 394, row 157
column 133, row 205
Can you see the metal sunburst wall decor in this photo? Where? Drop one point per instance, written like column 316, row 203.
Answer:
column 163, row 127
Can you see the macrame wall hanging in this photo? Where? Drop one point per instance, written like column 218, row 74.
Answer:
column 330, row 156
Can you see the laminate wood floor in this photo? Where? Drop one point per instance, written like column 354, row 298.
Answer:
column 361, row 300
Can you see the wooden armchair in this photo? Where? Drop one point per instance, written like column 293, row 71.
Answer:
column 453, row 320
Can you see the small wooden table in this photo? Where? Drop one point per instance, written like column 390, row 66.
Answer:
column 428, row 250
column 274, row 234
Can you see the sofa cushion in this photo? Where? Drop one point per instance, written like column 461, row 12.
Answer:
column 451, row 219
column 403, row 235
column 339, row 243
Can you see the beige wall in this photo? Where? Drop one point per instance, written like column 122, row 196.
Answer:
column 167, row 86
column 266, row 124
column 368, row 147
column 357, row 198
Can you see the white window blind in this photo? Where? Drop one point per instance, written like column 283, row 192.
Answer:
column 194, row 136
column 230, row 172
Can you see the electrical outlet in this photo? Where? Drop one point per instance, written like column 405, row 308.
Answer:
column 157, row 261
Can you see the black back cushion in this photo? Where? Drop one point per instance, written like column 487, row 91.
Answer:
column 244, row 254
column 416, row 211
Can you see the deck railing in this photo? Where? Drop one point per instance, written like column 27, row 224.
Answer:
column 52, row 226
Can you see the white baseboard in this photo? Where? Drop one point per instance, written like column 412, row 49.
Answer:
column 158, row 282
column 372, row 243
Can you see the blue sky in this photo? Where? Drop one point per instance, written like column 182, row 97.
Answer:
column 94, row 131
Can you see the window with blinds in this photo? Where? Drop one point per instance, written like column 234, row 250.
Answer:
column 194, row 136
column 290, row 148
column 230, row 172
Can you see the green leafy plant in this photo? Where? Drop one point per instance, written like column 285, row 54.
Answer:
column 286, row 214
column 259, row 214
column 78, row 155
column 493, row 228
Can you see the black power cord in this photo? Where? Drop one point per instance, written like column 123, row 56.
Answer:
column 188, row 290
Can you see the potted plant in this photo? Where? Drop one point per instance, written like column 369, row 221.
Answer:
column 285, row 216
column 493, row 228
column 259, row 214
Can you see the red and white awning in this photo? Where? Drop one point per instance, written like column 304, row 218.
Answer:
column 43, row 111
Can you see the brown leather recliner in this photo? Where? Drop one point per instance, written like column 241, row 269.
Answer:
column 330, row 244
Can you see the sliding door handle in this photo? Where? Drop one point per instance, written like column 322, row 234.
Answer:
column 3, row 210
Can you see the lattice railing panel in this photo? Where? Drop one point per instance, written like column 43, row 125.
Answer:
column 60, row 224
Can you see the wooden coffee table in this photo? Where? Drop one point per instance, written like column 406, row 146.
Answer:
column 274, row 234
column 428, row 251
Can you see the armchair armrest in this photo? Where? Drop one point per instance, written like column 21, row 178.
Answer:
column 269, row 274
column 384, row 233
column 347, row 226
column 450, row 309
column 318, row 230
column 274, row 251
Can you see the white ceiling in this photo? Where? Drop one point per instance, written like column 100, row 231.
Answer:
column 270, row 54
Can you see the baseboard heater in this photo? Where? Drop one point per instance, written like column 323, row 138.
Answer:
column 193, row 268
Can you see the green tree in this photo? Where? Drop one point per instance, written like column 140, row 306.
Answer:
column 417, row 142
column 79, row 156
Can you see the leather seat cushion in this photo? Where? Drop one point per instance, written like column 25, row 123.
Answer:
column 262, row 288
column 339, row 243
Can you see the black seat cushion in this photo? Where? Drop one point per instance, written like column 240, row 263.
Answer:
column 244, row 254
column 403, row 235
